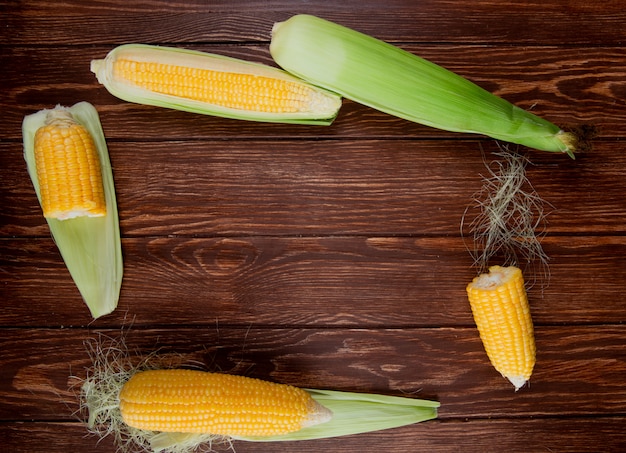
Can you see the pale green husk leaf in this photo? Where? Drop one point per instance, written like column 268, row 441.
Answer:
column 90, row 246
column 356, row 413
column 325, row 107
column 392, row 80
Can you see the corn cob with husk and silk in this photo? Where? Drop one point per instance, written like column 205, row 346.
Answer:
column 68, row 163
column 212, row 84
column 500, row 307
column 178, row 409
column 392, row 80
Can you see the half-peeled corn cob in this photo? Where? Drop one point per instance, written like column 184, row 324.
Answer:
column 387, row 78
column 151, row 408
column 212, row 84
column 68, row 163
column 500, row 307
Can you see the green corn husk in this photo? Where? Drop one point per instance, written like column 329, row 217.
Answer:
column 389, row 79
column 322, row 110
column 90, row 246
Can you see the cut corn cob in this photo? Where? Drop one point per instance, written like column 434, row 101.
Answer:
column 189, row 401
column 68, row 168
column 500, row 308
column 212, row 84
column 73, row 181
column 387, row 78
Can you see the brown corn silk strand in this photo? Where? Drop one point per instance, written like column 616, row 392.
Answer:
column 511, row 218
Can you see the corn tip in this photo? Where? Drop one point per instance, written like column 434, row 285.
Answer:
column 517, row 381
column 577, row 139
column 318, row 414
column 570, row 142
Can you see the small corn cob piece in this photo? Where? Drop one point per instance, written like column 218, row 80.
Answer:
column 502, row 315
column 68, row 163
column 212, row 84
column 68, row 168
column 189, row 401
column 387, row 78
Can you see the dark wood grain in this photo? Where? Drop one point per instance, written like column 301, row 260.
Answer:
column 578, row 375
column 578, row 372
column 531, row 22
column 578, row 435
column 363, row 187
column 325, row 257
column 337, row 281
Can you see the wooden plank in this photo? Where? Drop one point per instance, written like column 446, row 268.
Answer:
column 376, row 282
column 565, row 85
column 36, row 22
column 327, row 257
column 574, row 435
column 579, row 370
column 349, row 187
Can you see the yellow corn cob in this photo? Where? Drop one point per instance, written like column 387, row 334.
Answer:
column 188, row 401
column 500, row 307
column 68, row 168
column 212, row 84
column 227, row 89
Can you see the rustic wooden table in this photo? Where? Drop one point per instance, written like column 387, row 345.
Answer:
column 325, row 257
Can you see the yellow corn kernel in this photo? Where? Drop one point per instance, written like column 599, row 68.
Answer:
column 227, row 89
column 68, row 169
column 189, row 401
column 502, row 315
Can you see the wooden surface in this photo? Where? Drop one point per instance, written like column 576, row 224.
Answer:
column 328, row 257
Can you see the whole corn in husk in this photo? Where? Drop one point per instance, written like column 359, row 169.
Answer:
column 85, row 231
column 212, row 84
column 387, row 78
column 154, row 404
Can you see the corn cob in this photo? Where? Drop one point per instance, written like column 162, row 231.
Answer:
column 188, row 401
column 68, row 163
column 387, row 78
column 68, row 168
column 501, row 312
column 212, row 84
